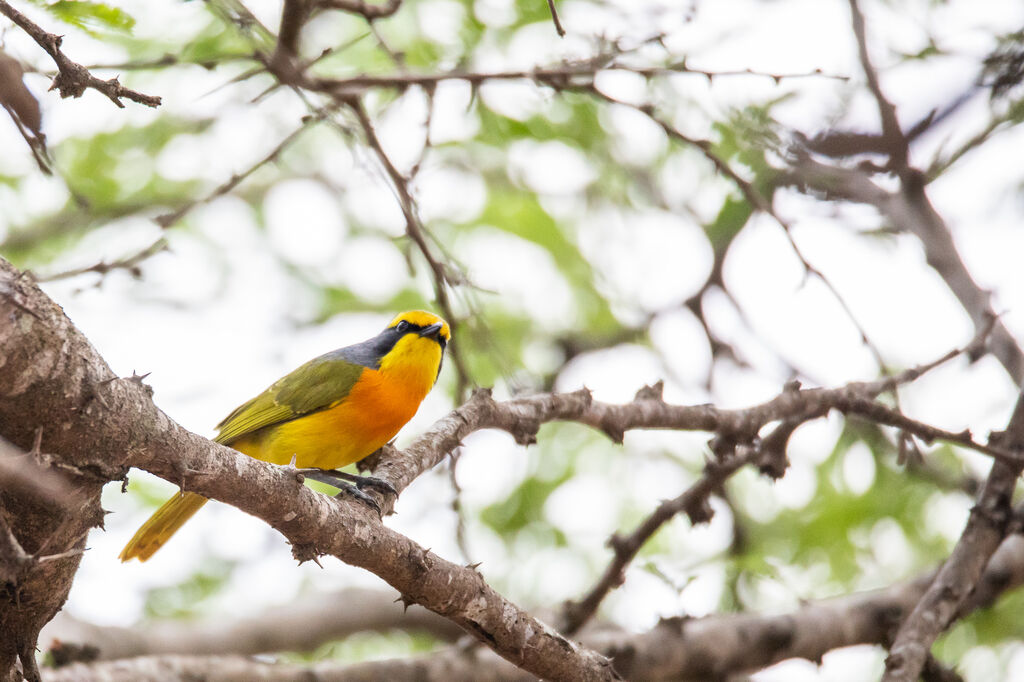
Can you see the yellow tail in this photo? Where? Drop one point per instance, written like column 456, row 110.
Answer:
column 164, row 523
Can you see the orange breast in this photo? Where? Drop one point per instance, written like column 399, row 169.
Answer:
column 374, row 411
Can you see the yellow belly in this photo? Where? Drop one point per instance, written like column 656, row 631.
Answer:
column 371, row 415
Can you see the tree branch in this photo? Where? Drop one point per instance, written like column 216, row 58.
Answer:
column 73, row 79
column 561, row 77
column 554, row 17
column 892, row 134
column 109, row 424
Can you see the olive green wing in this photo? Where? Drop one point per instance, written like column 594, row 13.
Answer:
column 316, row 385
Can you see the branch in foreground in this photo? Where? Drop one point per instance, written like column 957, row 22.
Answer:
column 301, row 625
column 187, row 668
column 73, row 79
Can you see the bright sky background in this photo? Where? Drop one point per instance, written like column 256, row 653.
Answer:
column 214, row 326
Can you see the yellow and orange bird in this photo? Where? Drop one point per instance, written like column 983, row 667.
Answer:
column 330, row 412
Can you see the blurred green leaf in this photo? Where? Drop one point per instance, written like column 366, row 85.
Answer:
column 89, row 16
column 182, row 600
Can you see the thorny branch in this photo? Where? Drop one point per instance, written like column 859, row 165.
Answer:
column 522, row 417
column 73, row 79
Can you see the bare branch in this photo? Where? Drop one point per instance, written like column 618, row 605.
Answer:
column 561, row 77
column 897, row 147
column 73, row 79
column 522, row 417
column 910, row 209
column 294, row 14
column 554, row 17
column 476, row 666
column 694, row 502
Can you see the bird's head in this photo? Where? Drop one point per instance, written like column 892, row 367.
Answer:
column 420, row 323
column 416, row 339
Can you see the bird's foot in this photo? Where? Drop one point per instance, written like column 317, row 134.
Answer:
column 349, row 489
column 334, row 477
column 351, row 484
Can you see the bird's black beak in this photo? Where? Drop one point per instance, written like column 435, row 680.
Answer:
column 432, row 331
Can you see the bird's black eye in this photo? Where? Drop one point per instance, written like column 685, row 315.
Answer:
column 402, row 327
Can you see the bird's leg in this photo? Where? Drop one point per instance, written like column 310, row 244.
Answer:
column 339, row 480
column 361, row 481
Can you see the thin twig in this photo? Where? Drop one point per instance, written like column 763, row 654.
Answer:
column 897, row 143
column 558, row 77
column 694, row 502
column 130, row 263
column 415, row 230
column 554, row 17
column 368, row 11
column 168, row 219
column 759, row 202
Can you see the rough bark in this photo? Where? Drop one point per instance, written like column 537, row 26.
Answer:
column 48, row 372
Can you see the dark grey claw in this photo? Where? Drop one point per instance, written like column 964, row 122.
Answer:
column 375, row 483
column 334, row 477
column 349, row 489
